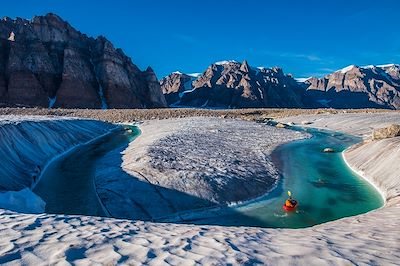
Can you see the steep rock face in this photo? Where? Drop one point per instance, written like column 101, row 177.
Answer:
column 358, row 87
column 154, row 87
column 78, row 88
column 175, row 85
column 235, row 85
column 49, row 63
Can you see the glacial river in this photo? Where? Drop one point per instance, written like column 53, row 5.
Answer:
column 322, row 183
column 67, row 184
column 325, row 187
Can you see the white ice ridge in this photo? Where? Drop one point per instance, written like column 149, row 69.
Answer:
column 381, row 66
column 346, row 69
column 194, row 75
column 28, row 142
column 225, row 62
column 302, row 79
column 388, row 65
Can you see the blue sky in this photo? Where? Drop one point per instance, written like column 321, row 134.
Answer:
column 304, row 37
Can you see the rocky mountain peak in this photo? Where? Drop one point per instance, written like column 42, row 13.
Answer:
column 245, row 67
column 50, row 63
column 149, row 69
column 230, row 84
column 50, row 19
column 358, row 87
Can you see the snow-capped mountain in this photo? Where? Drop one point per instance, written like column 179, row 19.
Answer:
column 229, row 84
column 358, row 87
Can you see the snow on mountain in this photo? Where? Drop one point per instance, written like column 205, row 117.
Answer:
column 301, row 80
column 225, row 62
column 370, row 86
column 194, row 75
column 388, row 65
column 346, row 69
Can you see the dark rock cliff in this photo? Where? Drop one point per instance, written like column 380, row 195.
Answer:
column 46, row 62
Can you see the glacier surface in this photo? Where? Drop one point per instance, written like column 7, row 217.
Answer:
column 27, row 143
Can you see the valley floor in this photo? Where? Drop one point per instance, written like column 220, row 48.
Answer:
column 371, row 238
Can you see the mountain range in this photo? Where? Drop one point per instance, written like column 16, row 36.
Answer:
column 230, row 84
column 45, row 62
column 358, row 87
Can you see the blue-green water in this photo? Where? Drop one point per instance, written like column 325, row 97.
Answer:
column 67, row 184
column 322, row 183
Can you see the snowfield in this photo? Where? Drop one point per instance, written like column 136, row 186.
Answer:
column 371, row 238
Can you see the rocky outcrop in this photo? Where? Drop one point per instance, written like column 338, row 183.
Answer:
column 358, row 87
column 230, row 84
column 175, row 85
column 387, row 132
column 328, row 150
column 49, row 63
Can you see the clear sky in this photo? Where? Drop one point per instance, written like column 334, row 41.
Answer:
column 304, row 37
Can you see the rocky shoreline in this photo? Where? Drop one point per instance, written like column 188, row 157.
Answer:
column 136, row 115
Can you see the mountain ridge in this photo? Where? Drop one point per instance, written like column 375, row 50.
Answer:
column 350, row 87
column 230, row 84
column 358, row 87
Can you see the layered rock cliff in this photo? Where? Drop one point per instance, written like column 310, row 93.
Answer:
column 46, row 62
column 358, row 87
column 230, row 84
